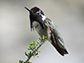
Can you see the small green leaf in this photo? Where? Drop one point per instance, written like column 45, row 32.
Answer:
column 31, row 47
column 33, row 42
column 43, row 37
column 29, row 54
column 26, row 53
column 38, row 51
column 20, row 61
column 34, row 55
column 35, row 45
column 37, row 42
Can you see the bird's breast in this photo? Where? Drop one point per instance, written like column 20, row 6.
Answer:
column 39, row 29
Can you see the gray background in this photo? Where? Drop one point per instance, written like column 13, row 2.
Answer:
column 15, row 32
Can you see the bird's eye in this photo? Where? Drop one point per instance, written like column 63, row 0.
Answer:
column 38, row 13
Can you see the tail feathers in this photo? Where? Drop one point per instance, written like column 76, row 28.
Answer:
column 60, row 50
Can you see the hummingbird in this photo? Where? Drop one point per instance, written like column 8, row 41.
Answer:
column 44, row 26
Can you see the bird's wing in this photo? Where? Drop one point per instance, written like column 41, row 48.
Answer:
column 56, row 38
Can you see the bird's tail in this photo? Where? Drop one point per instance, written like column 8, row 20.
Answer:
column 62, row 51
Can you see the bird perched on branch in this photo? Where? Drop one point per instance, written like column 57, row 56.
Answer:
column 44, row 26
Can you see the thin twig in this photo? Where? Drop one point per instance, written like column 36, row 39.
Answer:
column 29, row 57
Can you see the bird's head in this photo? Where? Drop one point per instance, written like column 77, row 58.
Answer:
column 36, row 14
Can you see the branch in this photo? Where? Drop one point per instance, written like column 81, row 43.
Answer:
column 33, row 47
column 29, row 57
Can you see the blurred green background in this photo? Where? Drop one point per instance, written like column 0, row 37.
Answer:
column 15, row 32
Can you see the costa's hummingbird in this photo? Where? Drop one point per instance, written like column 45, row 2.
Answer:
column 44, row 26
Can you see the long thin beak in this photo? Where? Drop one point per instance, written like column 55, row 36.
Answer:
column 27, row 9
